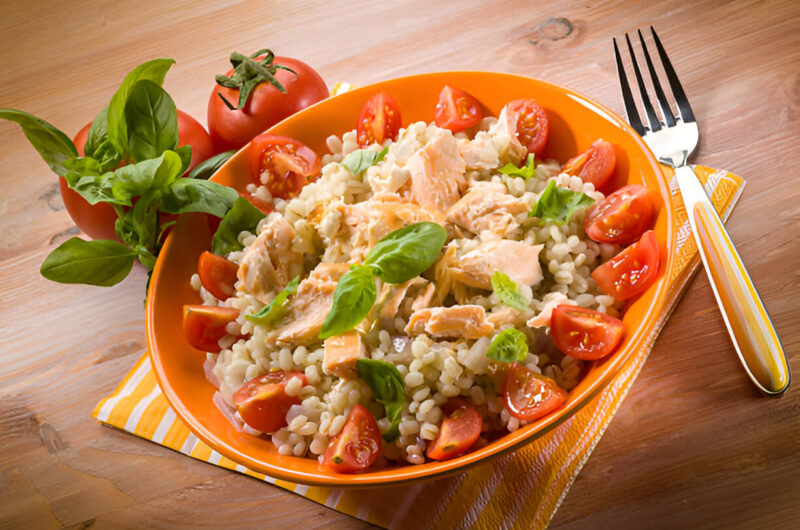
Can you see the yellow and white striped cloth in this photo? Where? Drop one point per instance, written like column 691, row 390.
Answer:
column 519, row 490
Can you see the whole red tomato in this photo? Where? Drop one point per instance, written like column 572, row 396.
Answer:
column 266, row 106
column 97, row 220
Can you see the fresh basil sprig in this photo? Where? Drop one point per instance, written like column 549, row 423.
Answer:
column 508, row 346
column 276, row 309
column 526, row 171
column 507, row 291
column 558, row 204
column 241, row 217
column 54, row 146
column 152, row 120
column 387, row 384
column 358, row 161
column 401, row 255
column 102, row 262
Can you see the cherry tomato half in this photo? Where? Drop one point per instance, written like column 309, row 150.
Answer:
column 533, row 127
column 217, row 275
column 630, row 272
column 282, row 164
column 358, row 445
column 621, row 217
column 530, row 396
column 584, row 333
column 263, row 402
column 457, row 110
column 595, row 165
column 204, row 325
column 379, row 119
column 459, row 430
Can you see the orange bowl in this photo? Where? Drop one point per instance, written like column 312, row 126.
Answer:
column 575, row 122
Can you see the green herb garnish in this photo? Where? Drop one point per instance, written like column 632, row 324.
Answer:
column 508, row 291
column 526, row 171
column 274, row 311
column 558, row 204
column 387, row 384
column 508, row 346
column 358, row 161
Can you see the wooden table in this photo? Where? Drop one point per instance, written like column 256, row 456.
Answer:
column 694, row 444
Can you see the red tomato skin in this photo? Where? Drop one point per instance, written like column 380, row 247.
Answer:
column 232, row 129
column 520, row 387
column 632, row 271
column 378, row 120
column 97, row 220
column 204, row 325
column 595, row 165
column 621, row 217
column 533, row 125
column 357, row 446
column 460, row 429
column 583, row 333
column 217, row 274
column 292, row 164
column 262, row 402
column 457, row 110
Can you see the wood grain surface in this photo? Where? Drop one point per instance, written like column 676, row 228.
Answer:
column 693, row 446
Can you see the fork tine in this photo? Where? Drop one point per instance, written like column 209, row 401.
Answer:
column 677, row 90
column 627, row 96
column 663, row 102
column 655, row 124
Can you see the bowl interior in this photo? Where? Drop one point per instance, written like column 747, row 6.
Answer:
column 575, row 123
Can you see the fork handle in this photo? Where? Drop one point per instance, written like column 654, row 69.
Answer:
column 748, row 322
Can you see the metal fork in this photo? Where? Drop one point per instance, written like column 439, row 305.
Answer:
column 672, row 141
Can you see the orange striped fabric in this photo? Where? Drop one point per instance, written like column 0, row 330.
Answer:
column 519, row 490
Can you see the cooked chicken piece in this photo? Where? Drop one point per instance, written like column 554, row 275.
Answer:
column 467, row 321
column 487, row 206
column 437, row 172
column 518, row 260
column 425, row 299
column 270, row 263
column 551, row 300
column 341, row 354
column 310, row 305
column 495, row 147
column 392, row 296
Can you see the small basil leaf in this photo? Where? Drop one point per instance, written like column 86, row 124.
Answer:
column 558, row 204
column 358, row 161
column 243, row 216
column 507, row 291
column 96, row 188
column 189, row 195
column 83, row 165
column 152, row 121
column 526, row 171
column 185, row 152
column 54, row 146
column 408, row 252
column 206, row 169
column 274, row 311
column 137, row 179
column 387, row 384
column 107, row 155
column 100, row 262
column 508, row 346
column 97, row 134
column 116, row 123
column 354, row 296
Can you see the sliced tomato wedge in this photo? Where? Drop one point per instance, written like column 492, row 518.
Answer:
column 204, row 325
column 533, row 127
column 263, row 402
column 282, row 164
column 459, row 430
column 530, row 396
column 621, row 217
column 632, row 271
column 584, row 333
column 379, row 119
column 457, row 110
column 217, row 275
column 595, row 165
column 357, row 446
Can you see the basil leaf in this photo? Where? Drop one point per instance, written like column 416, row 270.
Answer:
column 138, row 226
column 185, row 152
column 95, row 188
column 274, row 311
column 54, row 146
column 358, row 161
column 508, row 291
column 354, row 296
column 508, row 346
column 80, row 166
column 408, row 252
column 189, row 195
column 116, row 123
column 243, row 216
column 558, row 204
column 137, row 179
column 206, row 169
column 97, row 134
column 387, row 384
column 152, row 121
column 100, row 262
column 107, row 155
column 526, row 171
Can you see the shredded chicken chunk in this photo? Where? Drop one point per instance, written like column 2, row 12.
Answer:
column 487, row 206
column 270, row 263
column 468, row 321
column 437, row 172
